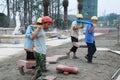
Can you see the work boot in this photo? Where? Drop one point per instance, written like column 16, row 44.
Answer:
column 21, row 70
column 86, row 57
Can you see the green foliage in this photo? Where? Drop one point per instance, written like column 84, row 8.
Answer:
column 109, row 18
column 80, row 1
column 3, row 20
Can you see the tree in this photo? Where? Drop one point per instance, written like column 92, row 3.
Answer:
column 46, row 4
column 25, row 13
column 8, row 11
column 80, row 5
column 35, row 8
column 3, row 20
column 65, row 5
column 111, row 18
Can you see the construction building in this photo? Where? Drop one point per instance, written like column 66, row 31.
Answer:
column 90, row 8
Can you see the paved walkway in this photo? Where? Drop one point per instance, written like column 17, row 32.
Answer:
column 7, row 50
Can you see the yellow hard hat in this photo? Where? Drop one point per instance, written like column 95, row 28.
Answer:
column 39, row 20
column 94, row 18
column 79, row 16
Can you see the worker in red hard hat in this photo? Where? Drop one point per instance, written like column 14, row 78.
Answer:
column 46, row 21
column 40, row 46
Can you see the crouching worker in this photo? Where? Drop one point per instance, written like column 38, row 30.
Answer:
column 29, row 46
column 40, row 46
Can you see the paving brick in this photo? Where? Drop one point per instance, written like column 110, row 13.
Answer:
column 55, row 58
column 60, row 57
column 66, row 68
column 29, row 63
column 52, row 60
column 50, row 77
column 80, row 44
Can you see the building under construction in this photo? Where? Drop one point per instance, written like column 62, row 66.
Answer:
column 89, row 8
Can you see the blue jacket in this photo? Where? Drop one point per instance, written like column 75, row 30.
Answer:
column 28, row 42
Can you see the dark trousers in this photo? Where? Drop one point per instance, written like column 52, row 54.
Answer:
column 29, row 55
column 74, row 48
column 91, row 50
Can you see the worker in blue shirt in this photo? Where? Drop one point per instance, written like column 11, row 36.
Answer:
column 90, row 40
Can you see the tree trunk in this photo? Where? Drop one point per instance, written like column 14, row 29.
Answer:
column 25, row 13
column 65, row 5
column 31, row 9
column 58, row 15
column 46, row 4
column 8, row 12
column 80, row 5
column 30, row 12
column 13, row 11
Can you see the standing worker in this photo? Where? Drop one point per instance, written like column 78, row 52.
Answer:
column 75, row 34
column 90, row 40
column 40, row 46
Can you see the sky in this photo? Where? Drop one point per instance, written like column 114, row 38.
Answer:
column 104, row 7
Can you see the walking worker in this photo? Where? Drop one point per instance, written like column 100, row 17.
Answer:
column 90, row 40
column 40, row 46
column 75, row 27
column 29, row 45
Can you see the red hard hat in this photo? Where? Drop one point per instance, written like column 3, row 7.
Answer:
column 46, row 19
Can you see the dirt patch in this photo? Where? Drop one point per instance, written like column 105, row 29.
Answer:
column 103, row 67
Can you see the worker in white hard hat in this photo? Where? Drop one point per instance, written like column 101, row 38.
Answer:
column 90, row 40
column 75, row 27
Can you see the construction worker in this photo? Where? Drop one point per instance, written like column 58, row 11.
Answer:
column 29, row 46
column 40, row 46
column 75, row 27
column 90, row 40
